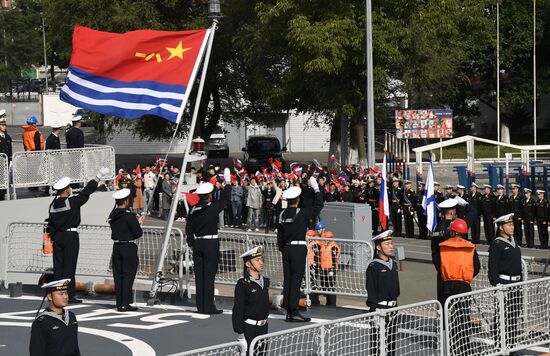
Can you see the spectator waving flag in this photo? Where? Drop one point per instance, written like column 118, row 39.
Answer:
column 133, row 74
column 383, row 203
column 428, row 202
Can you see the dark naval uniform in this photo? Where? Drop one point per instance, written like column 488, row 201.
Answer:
column 488, row 211
column 409, row 207
column 541, row 212
column 54, row 335
column 53, row 142
column 474, row 200
column 251, row 308
column 125, row 230
column 396, row 201
column 528, row 216
column 291, row 240
column 75, row 138
column 383, row 291
column 505, row 267
column 5, row 147
column 374, row 197
column 202, row 235
column 515, row 206
column 501, row 205
column 63, row 220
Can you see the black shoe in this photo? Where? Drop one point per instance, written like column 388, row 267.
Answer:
column 126, row 308
column 74, row 301
column 295, row 316
column 215, row 311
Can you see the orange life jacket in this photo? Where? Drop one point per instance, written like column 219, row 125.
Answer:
column 457, row 260
column 325, row 258
column 28, row 138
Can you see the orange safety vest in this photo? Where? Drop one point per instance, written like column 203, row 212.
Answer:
column 457, row 260
column 325, row 258
column 28, row 138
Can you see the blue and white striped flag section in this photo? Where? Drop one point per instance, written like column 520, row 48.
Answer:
column 428, row 202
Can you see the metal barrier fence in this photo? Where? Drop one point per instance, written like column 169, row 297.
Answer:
column 415, row 329
column 228, row 349
column 498, row 320
column 348, row 279
column 22, row 252
column 4, row 174
column 42, row 168
column 337, row 266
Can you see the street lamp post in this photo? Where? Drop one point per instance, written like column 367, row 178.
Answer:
column 535, row 75
column 498, row 79
column 370, row 95
column 214, row 9
column 45, row 56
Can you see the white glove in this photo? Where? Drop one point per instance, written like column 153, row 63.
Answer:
column 241, row 340
column 461, row 201
column 103, row 173
column 314, row 184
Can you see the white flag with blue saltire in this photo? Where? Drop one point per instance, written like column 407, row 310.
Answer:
column 428, row 203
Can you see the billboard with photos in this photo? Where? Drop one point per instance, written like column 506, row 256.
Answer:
column 429, row 123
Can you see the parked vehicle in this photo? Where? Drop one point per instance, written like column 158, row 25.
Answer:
column 216, row 145
column 258, row 151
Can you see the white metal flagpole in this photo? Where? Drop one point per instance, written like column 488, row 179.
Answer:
column 177, row 194
column 535, row 76
column 498, row 79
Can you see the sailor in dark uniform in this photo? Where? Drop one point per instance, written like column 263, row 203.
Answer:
column 542, row 208
column 52, row 141
column 422, row 218
column 5, row 144
column 383, row 286
column 374, row 198
column 528, row 216
column 514, row 204
column 251, row 307
column 505, row 267
column 488, row 210
column 409, row 207
column 291, row 240
column 63, row 221
column 54, row 332
column 437, row 193
column 75, row 136
column 474, row 199
column 202, row 236
column 125, row 227
column 449, row 192
column 396, row 203
column 441, row 233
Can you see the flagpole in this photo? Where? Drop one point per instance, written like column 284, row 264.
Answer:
column 176, row 196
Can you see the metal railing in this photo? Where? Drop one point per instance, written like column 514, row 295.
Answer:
column 228, row 349
column 5, row 174
column 337, row 266
column 415, row 329
column 44, row 168
column 22, row 252
column 498, row 320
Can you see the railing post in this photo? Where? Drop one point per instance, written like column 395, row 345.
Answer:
column 322, row 336
column 501, row 320
column 382, row 333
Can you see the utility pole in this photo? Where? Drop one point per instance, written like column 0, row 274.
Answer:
column 45, row 57
column 370, row 95
column 498, row 79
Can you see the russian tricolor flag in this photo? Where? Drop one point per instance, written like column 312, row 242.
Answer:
column 383, row 203
column 133, row 74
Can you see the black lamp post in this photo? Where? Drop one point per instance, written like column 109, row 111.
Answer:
column 214, row 9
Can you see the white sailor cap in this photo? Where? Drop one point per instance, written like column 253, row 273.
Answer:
column 121, row 194
column 385, row 236
column 2, row 112
column 500, row 186
column 406, row 181
column 57, row 126
column 292, row 192
column 62, row 183
column 252, row 253
column 395, row 179
column 448, row 204
column 540, row 191
column 59, row 285
column 527, row 190
column 76, row 118
column 448, row 186
column 436, row 183
column 475, row 185
column 505, row 219
column 460, row 187
column 514, row 185
column 485, row 186
column 205, row 188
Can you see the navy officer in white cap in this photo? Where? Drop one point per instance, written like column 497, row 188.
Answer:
column 251, row 307
column 54, row 332
column 125, row 230
column 75, row 136
column 63, row 221
column 505, row 267
column 291, row 240
column 202, row 235
column 383, row 286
